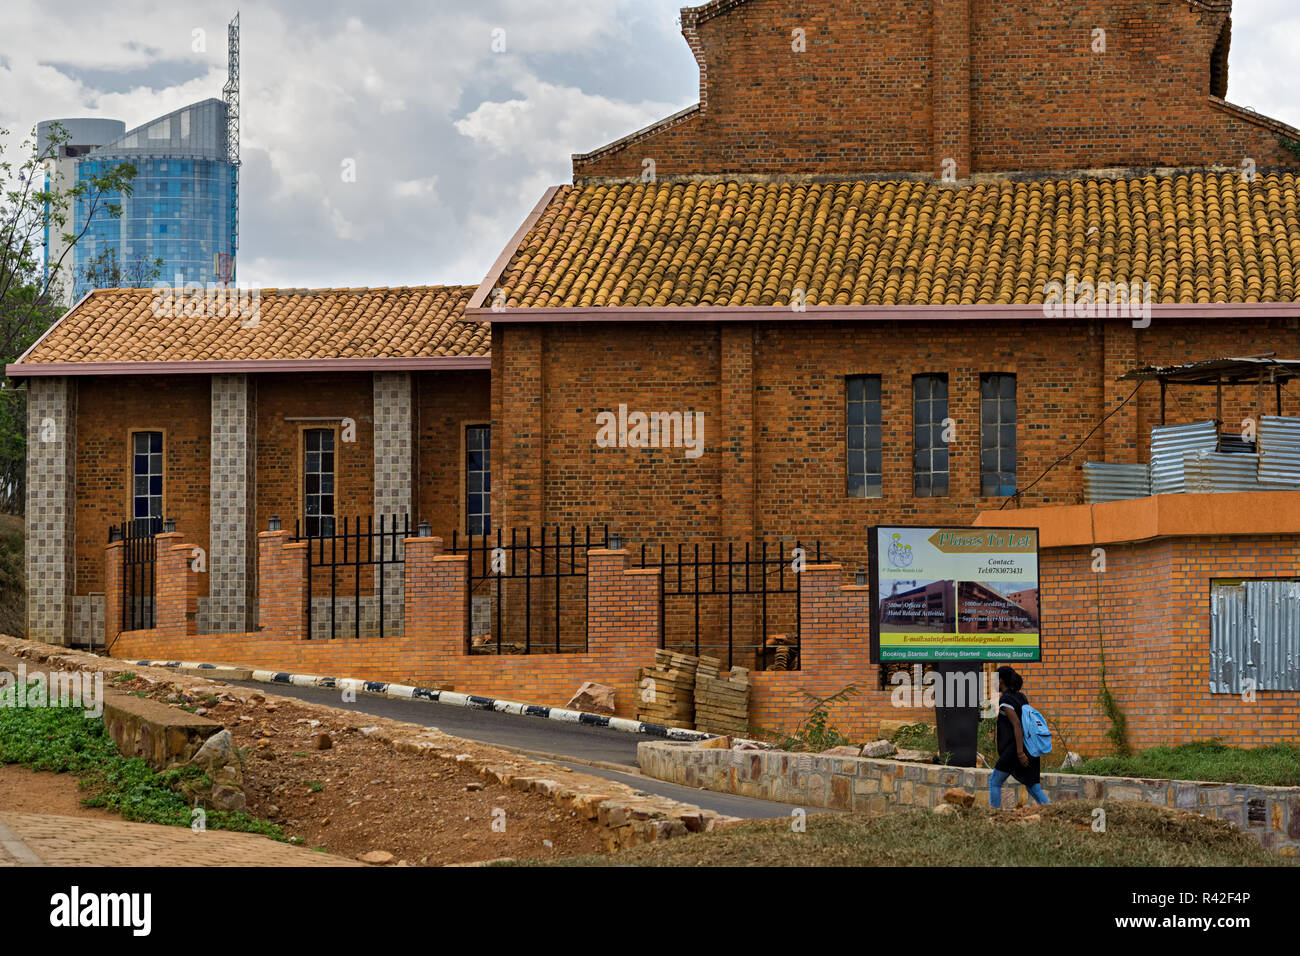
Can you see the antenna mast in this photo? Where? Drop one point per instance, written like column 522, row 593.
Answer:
column 230, row 93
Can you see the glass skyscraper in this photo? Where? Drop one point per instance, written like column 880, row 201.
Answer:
column 182, row 205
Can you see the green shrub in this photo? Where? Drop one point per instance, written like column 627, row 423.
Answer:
column 65, row 740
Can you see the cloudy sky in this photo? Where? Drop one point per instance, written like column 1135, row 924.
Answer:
column 452, row 142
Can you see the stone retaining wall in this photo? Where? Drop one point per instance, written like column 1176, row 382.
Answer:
column 1270, row 814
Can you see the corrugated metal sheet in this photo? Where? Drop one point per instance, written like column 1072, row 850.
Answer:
column 1255, row 633
column 1109, row 482
column 1169, row 445
column 1279, row 450
column 1232, row 443
column 1208, row 472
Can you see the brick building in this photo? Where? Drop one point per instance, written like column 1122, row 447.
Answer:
column 897, row 258
column 311, row 406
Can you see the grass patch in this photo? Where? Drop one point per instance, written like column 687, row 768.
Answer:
column 916, row 737
column 1277, row 765
column 64, row 740
column 1136, row 835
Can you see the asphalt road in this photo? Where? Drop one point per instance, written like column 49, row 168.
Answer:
column 539, row 736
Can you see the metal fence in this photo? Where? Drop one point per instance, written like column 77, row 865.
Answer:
column 537, row 584
column 359, row 557
column 139, row 570
column 707, row 593
column 1254, row 635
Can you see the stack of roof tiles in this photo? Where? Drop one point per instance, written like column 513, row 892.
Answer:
column 721, row 702
column 670, row 697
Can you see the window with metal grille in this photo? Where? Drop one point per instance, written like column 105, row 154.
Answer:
column 863, row 438
column 318, row 478
column 997, row 435
column 930, row 451
column 147, row 480
column 478, row 479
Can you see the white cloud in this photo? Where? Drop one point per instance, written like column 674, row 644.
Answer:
column 550, row 120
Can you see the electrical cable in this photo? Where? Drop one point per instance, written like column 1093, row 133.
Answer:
column 1070, row 454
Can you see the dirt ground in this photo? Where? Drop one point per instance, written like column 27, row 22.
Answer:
column 26, row 791
column 359, row 795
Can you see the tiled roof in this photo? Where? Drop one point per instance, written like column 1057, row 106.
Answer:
column 1196, row 237
column 139, row 325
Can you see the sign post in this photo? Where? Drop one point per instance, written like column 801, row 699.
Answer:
column 955, row 599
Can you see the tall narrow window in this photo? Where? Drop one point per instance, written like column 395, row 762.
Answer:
column 478, row 479
column 862, row 417
column 997, row 435
column 929, row 412
column 147, row 480
column 318, row 478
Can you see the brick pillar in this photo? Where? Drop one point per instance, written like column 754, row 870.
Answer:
column 950, row 87
column 1123, row 438
column 231, row 575
column 734, row 439
column 835, row 621
column 622, row 607
column 437, row 598
column 518, row 429
column 51, row 508
column 114, row 586
column 176, row 586
column 282, row 586
column 394, row 458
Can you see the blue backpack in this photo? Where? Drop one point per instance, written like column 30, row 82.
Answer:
column 1038, row 736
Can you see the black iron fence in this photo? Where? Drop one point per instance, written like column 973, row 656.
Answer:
column 139, row 570
column 536, row 585
column 738, row 604
column 355, row 556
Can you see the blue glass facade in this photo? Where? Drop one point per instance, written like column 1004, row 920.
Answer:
column 182, row 205
column 180, row 211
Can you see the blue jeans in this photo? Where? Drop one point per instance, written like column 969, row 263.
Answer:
column 999, row 778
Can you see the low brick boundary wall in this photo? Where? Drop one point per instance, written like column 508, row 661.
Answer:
column 1269, row 814
column 1156, row 651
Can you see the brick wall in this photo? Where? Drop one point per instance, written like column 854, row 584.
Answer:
column 281, row 398
column 623, row 611
column 900, row 86
column 445, row 402
column 109, row 410
column 774, row 404
column 1154, row 616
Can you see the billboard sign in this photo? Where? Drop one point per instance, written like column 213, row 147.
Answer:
column 954, row 594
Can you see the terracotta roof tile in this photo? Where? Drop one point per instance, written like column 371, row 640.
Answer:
column 1196, row 237
column 137, row 325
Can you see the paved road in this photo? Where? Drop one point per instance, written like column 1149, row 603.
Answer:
column 38, row 839
column 533, row 734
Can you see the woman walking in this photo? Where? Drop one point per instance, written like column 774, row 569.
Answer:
column 1013, row 759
